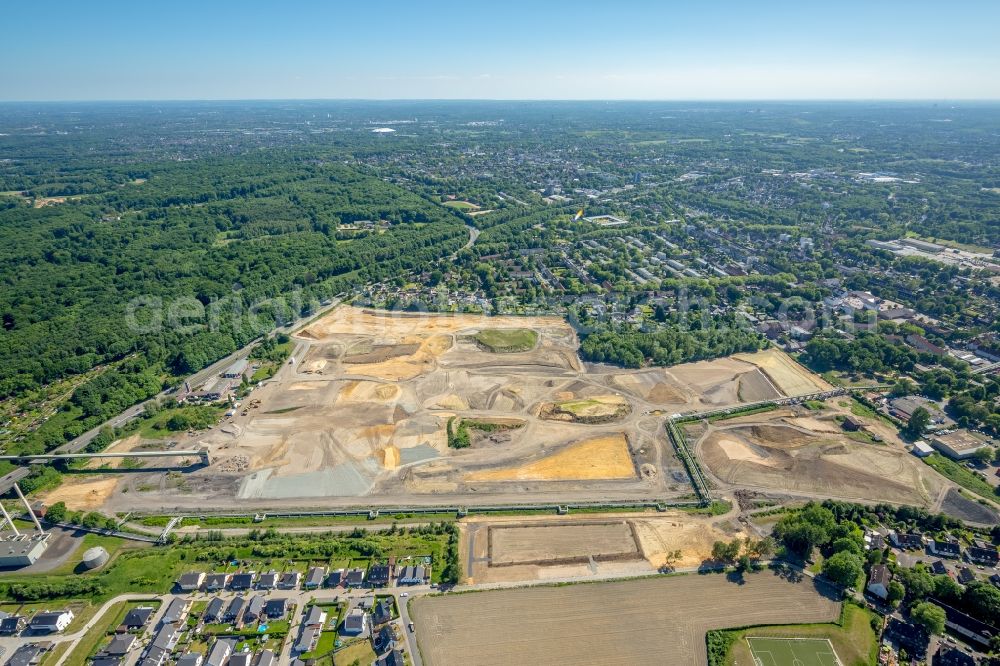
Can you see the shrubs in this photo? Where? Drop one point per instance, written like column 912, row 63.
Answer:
column 68, row 587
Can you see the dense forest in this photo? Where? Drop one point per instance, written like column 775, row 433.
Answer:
column 161, row 277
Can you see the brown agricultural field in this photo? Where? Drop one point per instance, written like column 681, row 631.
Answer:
column 663, row 619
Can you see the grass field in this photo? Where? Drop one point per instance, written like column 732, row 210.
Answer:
column 792, row 652
column 961, row 475
column 852, row 639
column 507, row 340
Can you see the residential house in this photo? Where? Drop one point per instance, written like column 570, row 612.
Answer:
column 910, row 637
column 26, row 655
column 213, row 611
column 166, row 637
column 219, row 654
column 355, row 577
column 177, row 612
column 874, row 541
column 217, row 581
column 267, row 581
column 315, row 578
column 289, row 580
column 50, row 622
column 101, row 659
column 276, row 609
column 946, row 548
column 969, row 627
column 266, row 658
column 983, row 553
column 306, row 642
column 241, row 581
column 138, row 617
column 938, row 568
column 907, row 541
column 255, row 609
column 121, row 644
column 949, row 656
column 391, row 658
column 413, row 575
column 155, row 656
column 966, row 576
column 315, row 617
column 191, row 581
column 312, row 626
column 878, row 581
column 356, row 621
column 382, row 612
column 190, row 659
column 379, row 574
column 240, row 659
column 335, row 579
column 385, row 639
column 234, row 611
column 13, row 624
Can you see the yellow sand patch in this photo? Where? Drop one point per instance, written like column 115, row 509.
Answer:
column 451, row 401
column 407, row 367
column 597, row 458
column 790, row 377
column 737, row 450
column 361, row 391
column 378, row 434
column 389, row 457
column 84, row 496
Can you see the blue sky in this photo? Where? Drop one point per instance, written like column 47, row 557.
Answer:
column 218, row 49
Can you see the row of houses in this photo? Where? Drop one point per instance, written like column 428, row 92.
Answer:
column 315, row 578
column 43, row 622
column 980, row 552
column 245, row 610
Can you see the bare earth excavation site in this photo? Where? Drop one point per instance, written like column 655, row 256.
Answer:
column 361, row 416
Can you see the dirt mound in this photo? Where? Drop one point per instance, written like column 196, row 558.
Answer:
column 381, row 353
column 778, row 436
column 388, row 457
column 597, row 409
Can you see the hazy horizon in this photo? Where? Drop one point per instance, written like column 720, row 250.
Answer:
column 636, row 51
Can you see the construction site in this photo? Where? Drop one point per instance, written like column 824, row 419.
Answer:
column 408, row 410
column 824, row 450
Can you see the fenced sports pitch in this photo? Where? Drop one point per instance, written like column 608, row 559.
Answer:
column 793, row 652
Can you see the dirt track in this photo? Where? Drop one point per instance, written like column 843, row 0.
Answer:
column 658, row 620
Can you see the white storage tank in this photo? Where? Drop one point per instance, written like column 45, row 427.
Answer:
column 95, row 557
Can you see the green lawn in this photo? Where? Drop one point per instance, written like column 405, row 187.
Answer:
column 356, row 653
column 961, row 475
column 323, row 646
column 792, row 652
column 507, row 340
column 156, row 427
column 461, row 205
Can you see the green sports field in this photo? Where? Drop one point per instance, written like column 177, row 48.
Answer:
column 793, row 652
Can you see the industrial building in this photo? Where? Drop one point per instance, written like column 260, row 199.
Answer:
column 19, row 549
column 959, row 444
